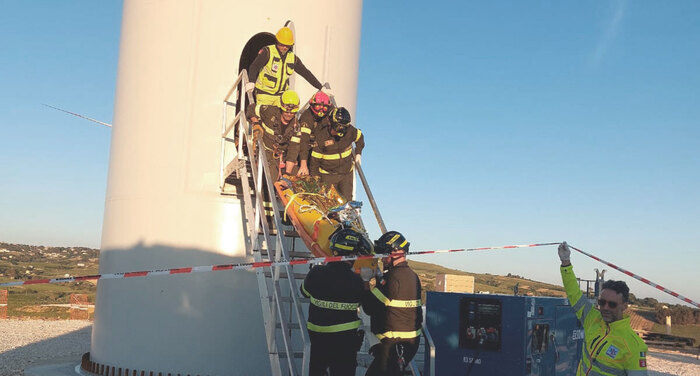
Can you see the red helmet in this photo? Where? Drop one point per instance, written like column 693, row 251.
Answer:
column 320, row 103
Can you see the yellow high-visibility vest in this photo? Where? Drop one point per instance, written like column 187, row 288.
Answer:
column 274, row 76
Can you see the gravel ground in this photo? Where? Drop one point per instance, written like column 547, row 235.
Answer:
column 24, row 343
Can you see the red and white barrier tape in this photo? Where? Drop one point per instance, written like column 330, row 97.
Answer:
column 640, row 278
column 242, row 266
column 320, row 260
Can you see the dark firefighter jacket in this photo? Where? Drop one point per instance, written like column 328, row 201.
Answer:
column 394, row 304
column 609, row 349
column 333, row 154
column 277, row 137
column 335, row 292
column 309, row 123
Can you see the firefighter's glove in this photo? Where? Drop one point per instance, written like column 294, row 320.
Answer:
column 366, row 273
column 328, row 91
column 358, row 159
column 257, row 131
column 249, row 87
column 564, row 253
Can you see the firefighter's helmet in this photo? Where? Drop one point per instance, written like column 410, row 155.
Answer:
column 348, row 242
column 340, row 115
column 289, row 101
column 390, row 242
column 319, row 104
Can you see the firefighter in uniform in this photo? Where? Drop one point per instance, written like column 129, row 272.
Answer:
column 313, row 117
column 269, row 73
column 395, row 307
column 335, row 291
column 280, row 132
column 610, row 346
column 331, row 157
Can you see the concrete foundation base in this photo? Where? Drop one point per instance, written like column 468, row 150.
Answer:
column 57, row 367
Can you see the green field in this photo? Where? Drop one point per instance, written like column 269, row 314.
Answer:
column 24, row 262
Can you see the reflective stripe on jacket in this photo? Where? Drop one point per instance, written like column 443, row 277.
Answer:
column 274, row 76
column 394, row 305
column 309, row 123
column 609, row 349
column 285, row 138
column 333, row 154
column 335, row 292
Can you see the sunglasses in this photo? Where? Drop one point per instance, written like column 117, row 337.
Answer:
column 603, row 302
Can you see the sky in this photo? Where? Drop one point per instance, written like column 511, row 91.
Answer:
column 487, row 124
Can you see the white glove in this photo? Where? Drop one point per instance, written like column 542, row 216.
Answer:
column 249, row 87
column 366, row 273
column 328, row 91
column 358, row 159
column 564, row 253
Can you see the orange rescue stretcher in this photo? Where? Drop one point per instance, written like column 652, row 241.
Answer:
column 306, row 203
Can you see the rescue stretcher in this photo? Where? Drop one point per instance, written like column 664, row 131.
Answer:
column 310, row 206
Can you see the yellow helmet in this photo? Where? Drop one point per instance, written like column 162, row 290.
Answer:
column 289, row 101
column 285, row 36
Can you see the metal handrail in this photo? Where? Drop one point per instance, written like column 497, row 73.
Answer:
column 431, row 346
column 258, row 170
column 241, row 128
column 365, row 184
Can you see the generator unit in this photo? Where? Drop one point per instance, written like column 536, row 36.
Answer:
column 477, row 334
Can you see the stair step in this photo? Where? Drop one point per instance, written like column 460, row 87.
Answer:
column 284, row 275
column 291, row 233
column 293, row 254
column 290, row 325
column 287, row 299
column 296, row 354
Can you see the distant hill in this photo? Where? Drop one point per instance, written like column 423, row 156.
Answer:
column 21, row 261
column 487, row 283
column 27, row 262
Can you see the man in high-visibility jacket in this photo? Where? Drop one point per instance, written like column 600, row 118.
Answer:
column 395, row 307
column 269, row 73
column 335, row 291
column 331, row 155
column 611, row 347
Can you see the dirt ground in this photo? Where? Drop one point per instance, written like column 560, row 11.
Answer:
column 661, row 362
column 26, row 342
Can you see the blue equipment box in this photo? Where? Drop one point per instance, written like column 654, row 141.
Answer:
column 478, row 334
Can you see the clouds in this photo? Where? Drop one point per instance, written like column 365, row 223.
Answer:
column 611, row 29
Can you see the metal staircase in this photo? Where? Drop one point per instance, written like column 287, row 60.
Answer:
column 244, row 173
